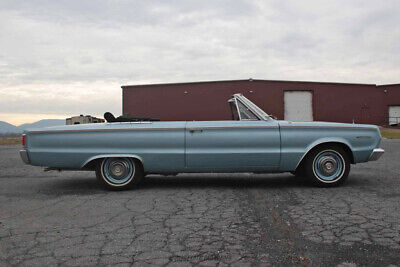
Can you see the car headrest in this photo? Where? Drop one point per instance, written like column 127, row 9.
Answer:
column 109, row 117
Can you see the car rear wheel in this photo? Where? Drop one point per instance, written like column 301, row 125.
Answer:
column 119, row 173
column 327, row 166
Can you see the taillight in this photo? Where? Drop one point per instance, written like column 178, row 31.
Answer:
column 23, row 140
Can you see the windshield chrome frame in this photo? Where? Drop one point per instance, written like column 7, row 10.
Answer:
column 261, row 115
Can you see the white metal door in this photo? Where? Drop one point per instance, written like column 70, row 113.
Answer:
column 394, row 115
column 298, row 106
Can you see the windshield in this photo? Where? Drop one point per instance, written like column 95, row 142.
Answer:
column 253, row 107
column 247, row 110
column 245, row 113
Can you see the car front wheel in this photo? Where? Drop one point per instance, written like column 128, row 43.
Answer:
column 328, row 166
column 119, row 173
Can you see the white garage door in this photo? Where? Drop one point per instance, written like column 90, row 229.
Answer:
column 394, row 115
column 298, row 106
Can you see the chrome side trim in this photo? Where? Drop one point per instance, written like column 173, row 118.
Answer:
column 327, row 127
column 104, row 130
column 150, row 129
column 24, row 156
column 231, row 127
column 133, row 156
column 127, row 122
column 376, row 154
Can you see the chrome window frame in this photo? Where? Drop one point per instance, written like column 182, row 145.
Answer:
column 246, row 110
column 260, row 114
column 237, row 109
column 232, row 102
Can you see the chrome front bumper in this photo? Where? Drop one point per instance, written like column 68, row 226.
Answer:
column 376, row 154
column 24, row 156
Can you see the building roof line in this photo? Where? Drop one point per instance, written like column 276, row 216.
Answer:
column 241, row 80
column 390, row 84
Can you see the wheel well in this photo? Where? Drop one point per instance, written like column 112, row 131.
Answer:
column 345, row 147
column 91, row 165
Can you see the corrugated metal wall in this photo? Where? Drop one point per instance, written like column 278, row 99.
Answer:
column 336, row 102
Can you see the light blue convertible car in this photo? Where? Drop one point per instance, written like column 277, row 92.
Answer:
column 122, row 153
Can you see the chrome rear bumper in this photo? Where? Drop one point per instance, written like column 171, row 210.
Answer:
column 24, row 156
column 376, row 154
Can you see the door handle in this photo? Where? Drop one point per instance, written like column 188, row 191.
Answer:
column 192, row 130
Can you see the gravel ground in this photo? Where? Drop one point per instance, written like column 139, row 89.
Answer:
column 52, row 218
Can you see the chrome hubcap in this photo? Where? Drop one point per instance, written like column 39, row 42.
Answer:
column 118, row 169
column 328, row 165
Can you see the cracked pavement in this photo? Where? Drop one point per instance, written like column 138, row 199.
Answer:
column 67, row 219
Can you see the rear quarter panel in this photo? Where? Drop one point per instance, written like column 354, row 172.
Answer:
column 298, row 138
column 70, row 147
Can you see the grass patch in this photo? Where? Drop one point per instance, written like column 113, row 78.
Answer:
column 390, row 133
column 10, row 140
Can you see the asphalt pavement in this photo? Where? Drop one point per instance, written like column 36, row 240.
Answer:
column 66, row 218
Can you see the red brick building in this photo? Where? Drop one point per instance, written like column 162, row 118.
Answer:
column 289, row 100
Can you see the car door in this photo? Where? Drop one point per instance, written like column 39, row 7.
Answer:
column 232, row 145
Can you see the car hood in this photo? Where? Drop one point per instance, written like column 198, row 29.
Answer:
column 322, row 124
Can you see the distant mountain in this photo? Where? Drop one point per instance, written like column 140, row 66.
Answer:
column 42, row 124
column 7, row 128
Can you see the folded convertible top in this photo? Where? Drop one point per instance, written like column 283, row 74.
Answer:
column 109, row 117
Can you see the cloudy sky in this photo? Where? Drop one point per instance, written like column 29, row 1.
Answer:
column 69, row 57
